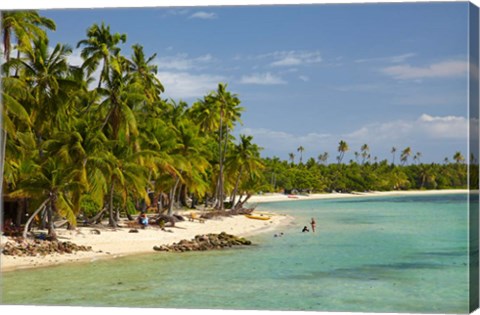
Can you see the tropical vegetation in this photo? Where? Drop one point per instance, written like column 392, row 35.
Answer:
column 84, row 142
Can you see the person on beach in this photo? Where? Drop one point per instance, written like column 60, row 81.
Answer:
column 305, row 229
column 143, row 220
column 313, row 224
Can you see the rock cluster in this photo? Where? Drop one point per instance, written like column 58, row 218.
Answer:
column 205, row 242
column 20, row 247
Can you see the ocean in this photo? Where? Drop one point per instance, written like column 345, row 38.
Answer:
column 372, row 254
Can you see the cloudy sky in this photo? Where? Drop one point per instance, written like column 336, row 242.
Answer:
column 311, row 75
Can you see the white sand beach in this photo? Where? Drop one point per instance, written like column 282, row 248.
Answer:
column 282, row 197
column 112, row 243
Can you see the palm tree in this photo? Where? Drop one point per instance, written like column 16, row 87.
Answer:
column 127, row 176
column 245, row 158
column 120, row 98
column 393, row 151
column 291, row 156
column 301, row 149
column 100, row 46
column 46, row 72
column 25, row 26
column 364, row 149
column 342, row 148
column 458, row 157
column 323, row 157
column 143, row 72
column 416, row 157
column 405, row 154
column 50, row 181
column 13, row 92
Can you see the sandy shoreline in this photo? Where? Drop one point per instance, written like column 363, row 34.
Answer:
column 112, row 243
column 281, row 197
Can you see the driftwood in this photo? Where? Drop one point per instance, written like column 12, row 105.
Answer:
column 166, row 219
column 98, row 217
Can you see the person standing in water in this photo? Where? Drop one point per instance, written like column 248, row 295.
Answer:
column 313, row 224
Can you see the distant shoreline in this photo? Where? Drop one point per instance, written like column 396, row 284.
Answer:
column 276, row 197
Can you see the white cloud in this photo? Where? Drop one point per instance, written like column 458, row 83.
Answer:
column 279, row 141
column 390, row 59
column 182, row 85
column 425, row 127
column 294, row 58
column 422, row 131
column 262, row 79
column 203, row 15
column 182, row 62
column 304, row 78
column 444, row 69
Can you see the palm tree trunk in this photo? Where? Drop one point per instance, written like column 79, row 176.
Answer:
column 111, row 218
column 172, row 197
column 50, row 212
column 160, row 203
column 234, row 193
column 2, row 158
column 34, row 214
column 242, row 202
column 220, row 197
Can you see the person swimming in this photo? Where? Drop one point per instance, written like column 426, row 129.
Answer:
column 305, row 229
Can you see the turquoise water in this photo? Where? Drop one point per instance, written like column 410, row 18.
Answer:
column 382, row 254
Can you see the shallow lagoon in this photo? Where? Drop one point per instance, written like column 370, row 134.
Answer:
column 379, row 254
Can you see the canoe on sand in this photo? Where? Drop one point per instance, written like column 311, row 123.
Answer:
column 257, row 217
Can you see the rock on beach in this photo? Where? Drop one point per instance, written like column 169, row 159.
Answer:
column 21, row 247
column 205, row 242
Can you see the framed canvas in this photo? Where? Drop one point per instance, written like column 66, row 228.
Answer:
column 250, row 157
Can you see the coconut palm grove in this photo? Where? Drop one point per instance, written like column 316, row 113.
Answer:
column 97, row 141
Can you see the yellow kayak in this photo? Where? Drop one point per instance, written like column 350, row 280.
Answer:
column 257, row 217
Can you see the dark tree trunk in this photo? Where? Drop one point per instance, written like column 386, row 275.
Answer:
column 51, row 210
column 183, row 195
column 234, row 193
column 111, row 217
column 98, row 217
column 194, row 201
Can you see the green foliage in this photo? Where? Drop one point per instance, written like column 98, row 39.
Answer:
column 85, row 146
column 382, row 176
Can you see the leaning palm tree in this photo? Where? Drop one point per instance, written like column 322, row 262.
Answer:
column 50, row 181
column 342, row 148
column 245, row 159
column 405, row 154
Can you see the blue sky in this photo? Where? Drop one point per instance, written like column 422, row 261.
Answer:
column 311, row 75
